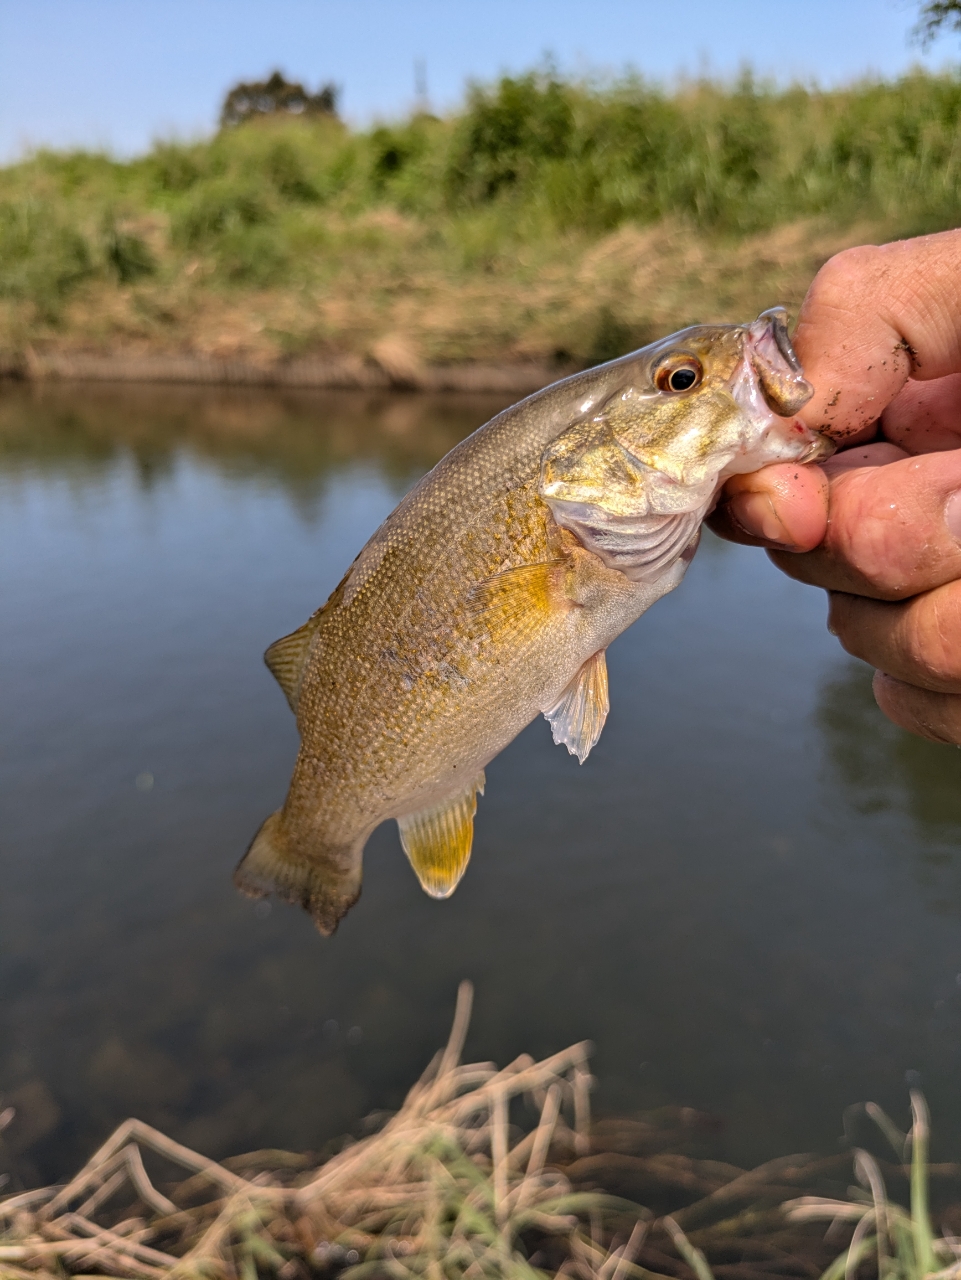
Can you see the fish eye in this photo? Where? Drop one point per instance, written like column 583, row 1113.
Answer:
column 682, row 373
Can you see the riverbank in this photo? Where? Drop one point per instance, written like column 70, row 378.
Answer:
column 484, row 334
column 330, row 373
column 544, row 226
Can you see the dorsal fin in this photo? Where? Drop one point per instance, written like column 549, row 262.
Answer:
column 438, row 840
column 286, row 657
column 578, row 717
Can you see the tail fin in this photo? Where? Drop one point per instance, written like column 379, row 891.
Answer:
column 326, row 883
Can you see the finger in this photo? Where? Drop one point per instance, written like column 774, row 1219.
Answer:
column 878, row 454
column 783, row 506
column 893, row 531
column 872, row 317
column 917, row 641
column 925, row 416
column 786, row 506
column 936, row 716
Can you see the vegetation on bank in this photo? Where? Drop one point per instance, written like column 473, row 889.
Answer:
column 546, row 219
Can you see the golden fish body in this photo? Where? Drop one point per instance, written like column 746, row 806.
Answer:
column 490, row 594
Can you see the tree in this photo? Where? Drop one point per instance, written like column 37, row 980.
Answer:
column 276, row 96
column 935, row 17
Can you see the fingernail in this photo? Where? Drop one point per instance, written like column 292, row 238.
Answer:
column 755, row 513
column 952, row 515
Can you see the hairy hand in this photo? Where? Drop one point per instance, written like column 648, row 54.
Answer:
column 879, row 525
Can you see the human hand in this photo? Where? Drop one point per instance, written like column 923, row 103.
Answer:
column 879, row 336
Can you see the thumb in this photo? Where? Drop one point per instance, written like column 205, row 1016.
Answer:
column 894, row 530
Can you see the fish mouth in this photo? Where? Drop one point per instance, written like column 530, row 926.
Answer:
column 770, row 388
column 779, row 373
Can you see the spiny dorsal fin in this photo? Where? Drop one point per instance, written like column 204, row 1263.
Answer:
column 286, row 657
column 516, row 602
column 438, row 840
column 578, row 717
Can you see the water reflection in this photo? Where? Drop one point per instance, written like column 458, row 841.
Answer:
column 296, row 439
column 884, row 770
column 726, row 897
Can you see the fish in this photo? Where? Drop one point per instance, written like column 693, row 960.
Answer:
column 491, row 593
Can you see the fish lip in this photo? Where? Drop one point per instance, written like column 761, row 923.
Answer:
column 776, row 318
column 821, row 447
column 772, row 324
column 769, row 358
column 781, row 379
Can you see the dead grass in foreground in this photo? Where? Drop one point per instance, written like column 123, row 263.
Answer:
column 457, row 1184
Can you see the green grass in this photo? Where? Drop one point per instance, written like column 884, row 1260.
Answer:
column 896, row 1243
column 515, row 189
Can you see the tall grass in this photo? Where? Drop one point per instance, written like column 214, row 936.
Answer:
column 527, row 163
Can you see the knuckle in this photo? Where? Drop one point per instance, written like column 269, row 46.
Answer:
column 935, row 716
column 871, row 534
column 871, row 553
column 844, row 269
column 846, row 622
column 931, row 637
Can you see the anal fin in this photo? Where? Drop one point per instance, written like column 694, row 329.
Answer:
column 286, row 657
column 577, row 718
column 438, row 840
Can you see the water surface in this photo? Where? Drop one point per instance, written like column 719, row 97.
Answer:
column 749, row 897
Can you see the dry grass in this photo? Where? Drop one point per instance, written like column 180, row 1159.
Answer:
column 576, row 301
column 481, row 1173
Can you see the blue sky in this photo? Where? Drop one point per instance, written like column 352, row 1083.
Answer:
column 118, row 73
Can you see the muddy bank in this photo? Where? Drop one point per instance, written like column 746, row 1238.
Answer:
column 333, row 373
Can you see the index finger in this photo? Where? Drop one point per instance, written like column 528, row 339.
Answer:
column 874, row 316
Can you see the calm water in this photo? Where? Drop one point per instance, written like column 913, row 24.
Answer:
column 749, row 897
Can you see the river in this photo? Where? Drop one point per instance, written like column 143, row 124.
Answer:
column 749, row 897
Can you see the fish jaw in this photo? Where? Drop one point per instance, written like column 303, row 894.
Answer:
column 769, row 387
column 779, row 371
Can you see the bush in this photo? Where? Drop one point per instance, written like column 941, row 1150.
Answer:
column 127, row 254
column 506, row 133
column 42, row 256
column 216, row 209
column 529, row 160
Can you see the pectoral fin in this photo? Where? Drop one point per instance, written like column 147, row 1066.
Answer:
column 516, row 602
column 577, row 719
column 438, row 840
column 286, row 657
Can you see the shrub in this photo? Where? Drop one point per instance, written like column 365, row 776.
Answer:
column 42, row 257
column 126, row 254
column 216, row 209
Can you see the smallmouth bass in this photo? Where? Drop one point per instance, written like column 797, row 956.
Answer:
column 489, row 596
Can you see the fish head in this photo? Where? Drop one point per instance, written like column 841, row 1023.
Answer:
column 675, row 420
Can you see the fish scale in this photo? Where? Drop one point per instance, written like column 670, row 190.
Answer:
column 492, row 591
